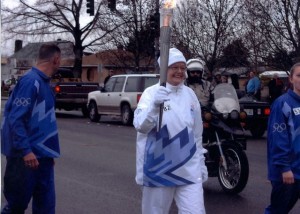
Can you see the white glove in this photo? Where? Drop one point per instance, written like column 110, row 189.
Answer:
column 204, row 173
column 161, row 95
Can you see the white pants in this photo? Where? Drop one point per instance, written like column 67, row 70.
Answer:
column 189, row 199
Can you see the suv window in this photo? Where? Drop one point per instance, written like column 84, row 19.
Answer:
column 132, row 84
column 109, row 86
column 149, row 81
column 119, row 84
column 138, row 84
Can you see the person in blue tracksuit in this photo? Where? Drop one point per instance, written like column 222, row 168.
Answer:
column 170, row 159
column 284, row 148
column 29, row 138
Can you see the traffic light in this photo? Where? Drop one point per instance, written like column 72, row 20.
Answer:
column 112, row 4
column 90, row 7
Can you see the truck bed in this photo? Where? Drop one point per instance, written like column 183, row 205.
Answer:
column 73, row 95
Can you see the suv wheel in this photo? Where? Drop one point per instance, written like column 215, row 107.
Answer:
column 127, row 115
column 85, row 111
column 93, row 112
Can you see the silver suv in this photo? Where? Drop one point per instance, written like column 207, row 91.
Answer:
column 119, row 96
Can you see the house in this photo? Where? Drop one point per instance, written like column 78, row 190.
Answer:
column 5, row 70
column 95, row 67
column 119, row 61
column 24, row 57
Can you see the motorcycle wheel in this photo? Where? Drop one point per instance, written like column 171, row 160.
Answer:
column 234, row 179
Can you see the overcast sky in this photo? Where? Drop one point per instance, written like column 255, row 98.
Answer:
column 7, row 47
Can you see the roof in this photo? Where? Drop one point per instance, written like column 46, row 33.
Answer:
column 229, row 71
column 115, row 58
column 270, row 74
column 30, row 51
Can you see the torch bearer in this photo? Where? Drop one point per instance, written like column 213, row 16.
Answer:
column 166, row 14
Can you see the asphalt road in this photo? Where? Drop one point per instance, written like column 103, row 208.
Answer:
column 95, row 174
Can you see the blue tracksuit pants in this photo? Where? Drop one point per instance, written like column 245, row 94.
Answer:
column 283, row 197
column 22, row 183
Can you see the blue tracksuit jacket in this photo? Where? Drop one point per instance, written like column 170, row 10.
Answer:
column 284, row 137
column 29, row 122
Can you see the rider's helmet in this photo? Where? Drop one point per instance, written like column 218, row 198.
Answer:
column 195, row 69
column 195, row 65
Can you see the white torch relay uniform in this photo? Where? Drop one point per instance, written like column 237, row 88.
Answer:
column 170, row 162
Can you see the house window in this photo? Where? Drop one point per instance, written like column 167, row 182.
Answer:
column 90, row 74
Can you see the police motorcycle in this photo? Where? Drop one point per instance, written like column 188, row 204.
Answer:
column 224, row 140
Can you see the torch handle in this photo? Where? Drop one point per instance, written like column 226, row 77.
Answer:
column 165, row 32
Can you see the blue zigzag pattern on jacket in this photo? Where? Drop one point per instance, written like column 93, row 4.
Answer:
column 41, row 120
column 164, row 155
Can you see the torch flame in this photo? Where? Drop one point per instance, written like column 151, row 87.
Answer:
column 170, row 4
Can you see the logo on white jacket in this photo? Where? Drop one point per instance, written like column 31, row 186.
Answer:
column 167, row 107
column 165, row 155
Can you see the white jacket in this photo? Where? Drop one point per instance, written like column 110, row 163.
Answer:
column 174, row 155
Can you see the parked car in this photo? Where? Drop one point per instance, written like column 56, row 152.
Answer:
column 257, row 115
column 119, row 96
column 71, row 93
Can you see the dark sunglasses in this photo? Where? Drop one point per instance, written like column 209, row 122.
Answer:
column 196, row 71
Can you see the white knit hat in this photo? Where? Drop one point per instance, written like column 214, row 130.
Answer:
column 174, row 56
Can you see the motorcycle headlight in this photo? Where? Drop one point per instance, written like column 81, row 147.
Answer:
column 234, row 114
column 225, row 115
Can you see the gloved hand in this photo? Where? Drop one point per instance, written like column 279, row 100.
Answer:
column 204, row 173
column 161, row 95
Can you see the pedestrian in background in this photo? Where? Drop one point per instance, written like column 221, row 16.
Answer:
column 284, row 148
column 216, row 80
column 29, row 138
column 224, row 79
column 110, row 73
column 276, row 87
column 170, row 160
column 253, row 85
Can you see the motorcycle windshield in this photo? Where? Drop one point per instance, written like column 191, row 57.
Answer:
column 225, row 98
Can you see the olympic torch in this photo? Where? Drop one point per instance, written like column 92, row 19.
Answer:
column 166, row 14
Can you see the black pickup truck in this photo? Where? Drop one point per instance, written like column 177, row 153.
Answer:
column 257, row 115
column 71, row 93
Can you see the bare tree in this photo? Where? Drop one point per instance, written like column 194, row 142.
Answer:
column 278, row 25
column 135, row 34
column 61, row 18
column 255, row 43
column 206, row 27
